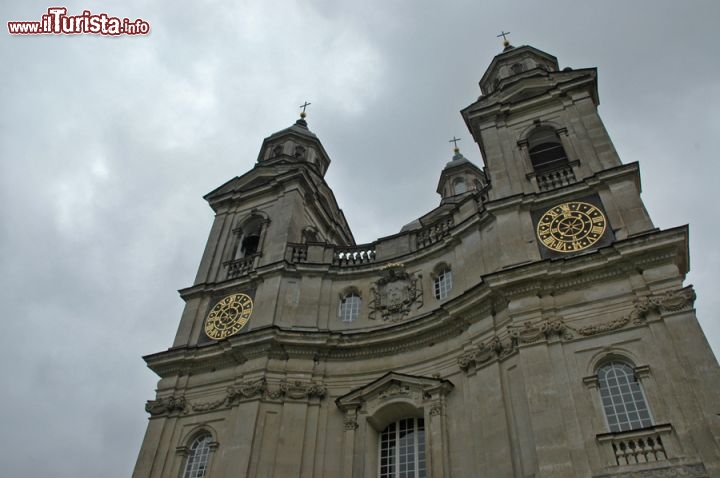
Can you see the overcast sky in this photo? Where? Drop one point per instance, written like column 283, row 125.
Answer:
column 108, row 144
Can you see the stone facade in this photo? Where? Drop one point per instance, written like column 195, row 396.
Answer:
column 469, row 318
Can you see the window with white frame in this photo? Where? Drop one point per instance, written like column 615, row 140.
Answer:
column 349, row 307
column 622, row 397
column 198, row 457
column 402, row 450
column 443, row 283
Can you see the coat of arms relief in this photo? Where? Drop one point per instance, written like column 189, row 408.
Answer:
column 395, row 294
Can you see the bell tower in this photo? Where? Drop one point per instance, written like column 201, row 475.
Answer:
column 542, row 138
column 283, row 199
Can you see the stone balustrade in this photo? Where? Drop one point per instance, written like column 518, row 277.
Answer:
column 242, row 266
column 555, row 178
column 366, row 254
column 298, row 253
column 431, row 234
column 632, row 447
column 355, row 255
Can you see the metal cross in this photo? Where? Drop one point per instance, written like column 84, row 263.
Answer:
column 454, row 140
column 503, row 34
column 303, row 106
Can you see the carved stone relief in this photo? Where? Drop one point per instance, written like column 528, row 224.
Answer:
column 530, row 332
column 478, row 354
column 350, row 420
column 300, row 151
column 398, row 390
column 276, row 151
column 246, row 389
column 394, row 294
column 165, row 405
column 284, row 390
column 436, row 409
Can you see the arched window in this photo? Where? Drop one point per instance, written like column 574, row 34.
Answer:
column 349, row 307
column 402, row 450
column 443, row 283
column 198, row 456
column 622, row 397
column 546, row 150
column 459, row 186
column 249, row 237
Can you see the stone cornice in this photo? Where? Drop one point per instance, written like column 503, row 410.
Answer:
column 620, row 259
column 555, row 83
column 284, row 342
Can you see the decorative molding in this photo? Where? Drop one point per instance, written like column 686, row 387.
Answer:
column 479, row 354
column 299, row 390
column 394, row 338
column 207, row 406
column 394, row 294
column 250, row 389
column 350, row 421
column 499, row 347
column 166, row 405
column 247, row 389
column 395, row 387
column 528, row 333
column 672, row 301
column 398, row 390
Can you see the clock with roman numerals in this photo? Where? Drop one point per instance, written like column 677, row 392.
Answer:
column 571, row 226
column 228, row 316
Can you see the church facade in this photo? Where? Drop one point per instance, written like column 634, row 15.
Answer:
column 535, row 324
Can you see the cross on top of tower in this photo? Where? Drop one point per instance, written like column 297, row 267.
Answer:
column 504, row 35
column 455, row 140
column 303, row 106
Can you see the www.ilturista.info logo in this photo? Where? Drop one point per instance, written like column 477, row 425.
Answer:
column 57, row 21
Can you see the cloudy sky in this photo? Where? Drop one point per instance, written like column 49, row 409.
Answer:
column 108, row 144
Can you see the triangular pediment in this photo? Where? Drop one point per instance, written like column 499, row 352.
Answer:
column 394, row 385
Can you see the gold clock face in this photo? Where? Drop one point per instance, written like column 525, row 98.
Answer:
column 571, row 226
column 229, row 316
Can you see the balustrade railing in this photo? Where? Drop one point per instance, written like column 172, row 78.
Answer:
column 353, row 256
column 433, row 233
column 298, row 253
column 638, row 446
column 555, row 178
column 240, row 267
column 363, row 254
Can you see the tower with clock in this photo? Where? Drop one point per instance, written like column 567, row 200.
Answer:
column 534, row 324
